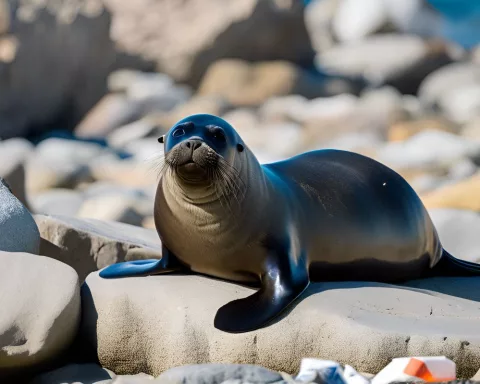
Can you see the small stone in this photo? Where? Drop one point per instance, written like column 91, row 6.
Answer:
column 461, row 104
column 283, row 108
column 464, row 194
column 41, row 313
column 246, row 84
column 318, row 19
column 211, row 104
column 57, row 201
column 447, row 79
column 128, row 172
column 428, row 149
column 124, row 135
column 88, row 245
column 353, row 20
column 111, row 112
column 403, row 130
column 285, row 139
column 112, row 207
column 18, row 230
column 458, row 231
column 61, row 163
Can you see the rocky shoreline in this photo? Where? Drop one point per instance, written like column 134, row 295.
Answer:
column 79, row 156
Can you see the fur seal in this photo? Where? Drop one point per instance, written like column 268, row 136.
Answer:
column 321, row 215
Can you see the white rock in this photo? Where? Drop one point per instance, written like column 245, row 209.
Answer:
column 377, row 57
column 318, row 17
column 40, row 309
column 427, row 149
column 354, row 19
column 18, row 231
column 124, row 135
column 462, row 104
column 60, row 163
column 446, row 79
column 57, row 201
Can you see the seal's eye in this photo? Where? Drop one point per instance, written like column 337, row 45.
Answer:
column 219, row 135
column 178, row 132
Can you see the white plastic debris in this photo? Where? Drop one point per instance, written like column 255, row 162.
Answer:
column 421, row 369
column 416, row 369
column 320, row 371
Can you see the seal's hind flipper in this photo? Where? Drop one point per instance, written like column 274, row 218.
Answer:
column 168, row 263
column 451, row 266
column 281, row 284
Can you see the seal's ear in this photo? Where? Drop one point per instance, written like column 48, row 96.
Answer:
column 240, row 147
column 161, row 139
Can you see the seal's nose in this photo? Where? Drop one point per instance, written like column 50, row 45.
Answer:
column 193, row 144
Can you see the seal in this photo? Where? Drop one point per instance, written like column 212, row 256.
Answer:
column 321, row 215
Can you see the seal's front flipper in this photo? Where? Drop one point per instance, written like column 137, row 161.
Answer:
column 168, row 263
column 281, row 284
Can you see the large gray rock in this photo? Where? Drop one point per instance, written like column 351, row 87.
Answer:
column 253, row 30
column 18, row 231
column 14, row 154
column 169, row 322
column 59, row 57
column 40, row 313
column 219, row 373
column 88, row 244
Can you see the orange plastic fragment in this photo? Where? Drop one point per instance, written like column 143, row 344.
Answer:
column 419, row 369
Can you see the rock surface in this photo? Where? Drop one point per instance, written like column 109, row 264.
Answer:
column 169, row 322
column 252, row 30
column 19, row 233
column 40, row 312
column 88, row 245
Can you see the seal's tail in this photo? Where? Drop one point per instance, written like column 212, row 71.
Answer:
column 451, row 266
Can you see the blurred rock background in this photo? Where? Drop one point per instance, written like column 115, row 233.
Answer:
column 87, row 86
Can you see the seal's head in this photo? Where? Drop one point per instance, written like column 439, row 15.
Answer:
column 203, row 150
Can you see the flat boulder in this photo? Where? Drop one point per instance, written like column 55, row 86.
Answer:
column 40, row 310
column 169, row 322
column 89, row 244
